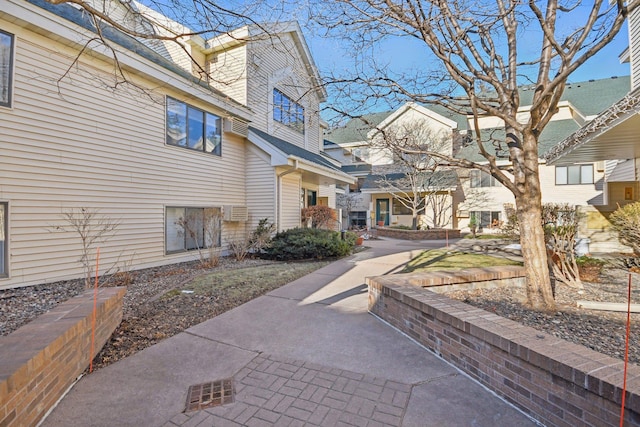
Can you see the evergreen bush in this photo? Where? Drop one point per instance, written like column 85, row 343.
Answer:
column 308, row 243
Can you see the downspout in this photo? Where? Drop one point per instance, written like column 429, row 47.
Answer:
column 279, row 190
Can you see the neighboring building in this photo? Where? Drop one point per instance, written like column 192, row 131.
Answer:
column 382, row 189
column 610, row 140
column 160, row 141
column 478, row 194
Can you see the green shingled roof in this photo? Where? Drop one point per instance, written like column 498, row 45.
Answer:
column 589, row 97
column 356, row 129
column 554, row 132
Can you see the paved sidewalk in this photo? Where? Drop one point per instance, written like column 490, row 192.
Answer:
column 307, row 354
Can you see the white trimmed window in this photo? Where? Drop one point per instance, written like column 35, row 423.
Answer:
column 574, row 174
column 192, row 128
column 487, row 219
column 4, row 231
column 482, row 179
column 287, row 111
column 6, row 68
column 188, row 229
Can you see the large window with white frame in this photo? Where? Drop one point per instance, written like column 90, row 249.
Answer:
column 574, row 174
column 399, row 208
column 193, row 128
column 6, row 68
column 191, row 228
column 482, row 179
column 287, row 111
column 4, row 231
column 487, row 219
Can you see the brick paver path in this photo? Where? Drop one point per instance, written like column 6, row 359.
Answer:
column 271, row 391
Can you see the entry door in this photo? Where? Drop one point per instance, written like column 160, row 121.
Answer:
column 382, row 211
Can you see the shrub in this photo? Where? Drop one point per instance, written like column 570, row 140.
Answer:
column 350, row 237
column 626, row 221
column 260, row 238
column 308, row 243
column 589, row 268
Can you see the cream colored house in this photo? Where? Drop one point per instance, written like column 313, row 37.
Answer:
column 150, row 141
column 382, row 192
column 611, row 140
column 477, row 194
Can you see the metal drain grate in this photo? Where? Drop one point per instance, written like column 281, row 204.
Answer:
column 208, row 395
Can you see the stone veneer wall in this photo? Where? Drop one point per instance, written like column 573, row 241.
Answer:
column 433, row 234
column 42, row 359
column 557, row 382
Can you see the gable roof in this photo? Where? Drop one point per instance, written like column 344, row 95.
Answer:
column 588, row 98
column 359, row 169
column 286, row 150
column 611, row 135
column 252, row 32
column 415, row 107
column 356, row 129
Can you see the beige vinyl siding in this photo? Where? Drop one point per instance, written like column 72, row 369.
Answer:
column 282, row 67
column 328, row 191
column 625, row 170
column 83, row 145
column 495, row 197
column 572, row 194
column 228, row 71
column 634, row 47
column 617, row 192
column 260, row 186
column 290, row 186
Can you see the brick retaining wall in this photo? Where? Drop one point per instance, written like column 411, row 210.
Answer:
column 557, row 382
column 39, row 361
column 433, row 234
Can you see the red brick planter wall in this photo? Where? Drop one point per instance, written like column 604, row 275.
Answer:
column 434, row 234
column 557, row 382
column 42, row 359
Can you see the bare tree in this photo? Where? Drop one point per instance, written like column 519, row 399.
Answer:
column 202, row 229
column 479, row 53
column 92, row 229
column 348, row 202
column 560, row 222
column 415, row 179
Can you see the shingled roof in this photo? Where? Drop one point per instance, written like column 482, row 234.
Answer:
column 588, row 97
column 290, row 149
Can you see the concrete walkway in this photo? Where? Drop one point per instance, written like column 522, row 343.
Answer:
column 305, row 354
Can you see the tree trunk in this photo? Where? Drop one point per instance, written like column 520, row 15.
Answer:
column 538, row 281
column 414, row 222
column 534, row 251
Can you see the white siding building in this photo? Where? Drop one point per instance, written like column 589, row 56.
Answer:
column 579, row 183
column 144, row 147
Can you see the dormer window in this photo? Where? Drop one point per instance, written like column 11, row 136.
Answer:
column 287, row 111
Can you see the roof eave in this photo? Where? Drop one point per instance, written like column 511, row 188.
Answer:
column 618, row 113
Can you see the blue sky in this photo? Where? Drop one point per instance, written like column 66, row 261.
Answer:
column 328, row 55
column 405, row 53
